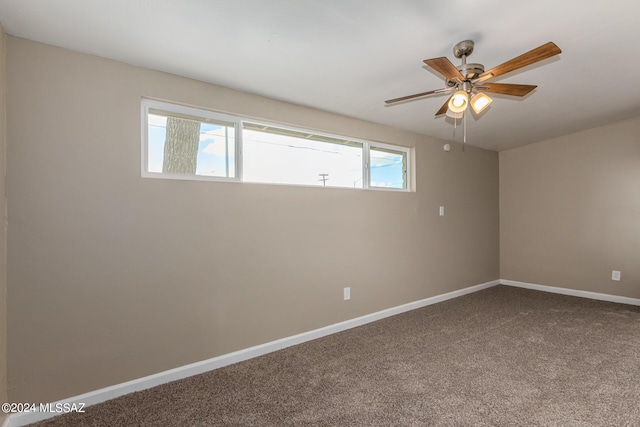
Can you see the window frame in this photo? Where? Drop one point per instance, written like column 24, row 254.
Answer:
column 148, row 104
column 407, row 166
column 238, row 122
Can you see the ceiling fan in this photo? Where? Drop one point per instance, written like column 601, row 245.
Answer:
column 468, row 82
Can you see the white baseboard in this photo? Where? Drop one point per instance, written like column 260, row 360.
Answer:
column 572, row 292
column 107, row 393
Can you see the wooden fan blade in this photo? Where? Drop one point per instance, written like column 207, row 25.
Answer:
column 444, row 67
column 406, row 98
column 545, row 51
column 444, row 107
column 508, row 89
column 418, row 95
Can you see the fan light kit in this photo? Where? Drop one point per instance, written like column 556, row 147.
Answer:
column 458, row 102
column 468, row 81
column 480, row 101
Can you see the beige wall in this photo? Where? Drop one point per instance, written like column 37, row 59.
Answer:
column 112, row 277
column 570, row 211
column 3, row 228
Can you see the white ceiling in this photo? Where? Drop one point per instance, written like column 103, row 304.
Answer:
column 348, row 56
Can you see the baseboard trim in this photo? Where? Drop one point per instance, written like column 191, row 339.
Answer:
column 111, row 392
column 572, row 292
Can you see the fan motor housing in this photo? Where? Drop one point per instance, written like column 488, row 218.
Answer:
column 471, row 71
column 468, row 71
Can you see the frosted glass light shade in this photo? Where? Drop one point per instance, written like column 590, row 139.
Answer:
column 480, row 101
column 459, row 101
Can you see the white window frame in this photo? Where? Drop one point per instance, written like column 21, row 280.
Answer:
column 406, row 171
column 238, row 121
column 148, row 104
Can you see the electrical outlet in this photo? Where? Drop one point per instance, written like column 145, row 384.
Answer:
column 615, row 275
column 347, row 294
column 441, row 210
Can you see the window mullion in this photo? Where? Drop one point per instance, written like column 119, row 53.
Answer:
column 239, row 150
column 366, row 175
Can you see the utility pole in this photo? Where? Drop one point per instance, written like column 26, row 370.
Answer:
column 324, row 179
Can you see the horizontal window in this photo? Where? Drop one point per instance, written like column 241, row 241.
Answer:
column 188, row 143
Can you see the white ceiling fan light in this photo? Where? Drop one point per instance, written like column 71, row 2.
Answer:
column 459, row 102
column 480, row 101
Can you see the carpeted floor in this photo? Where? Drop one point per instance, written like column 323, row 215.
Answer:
column 502, row 356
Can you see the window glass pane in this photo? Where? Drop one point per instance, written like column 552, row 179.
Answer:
column 283, row 156
column 387, row 168
column 183, row 144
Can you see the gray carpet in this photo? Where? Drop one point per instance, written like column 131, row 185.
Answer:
column 502, row 356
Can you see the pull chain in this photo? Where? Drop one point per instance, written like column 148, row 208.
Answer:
column 455, row 123
column 464, row 129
